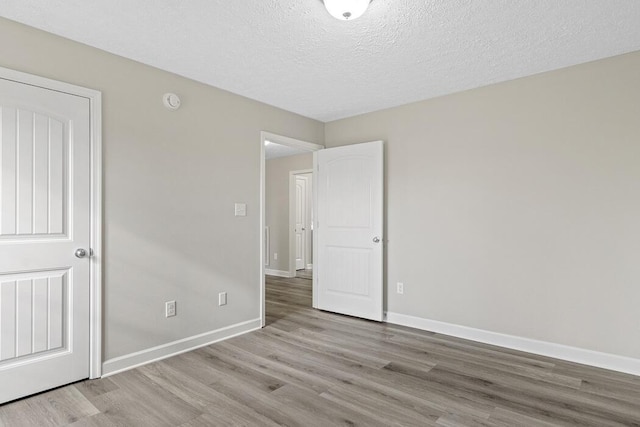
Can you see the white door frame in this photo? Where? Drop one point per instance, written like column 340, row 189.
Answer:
column 292, row 220
column 95, row 272
column 289, row 142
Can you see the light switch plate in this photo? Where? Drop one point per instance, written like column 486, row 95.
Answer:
column 222, row 298
column 241, row 209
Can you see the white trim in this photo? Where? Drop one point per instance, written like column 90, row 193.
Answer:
column 559, row 351
column 279, row 273
column 309, row 267
column 95, row 279
column 315, row 277
column 291, row 142
column 95, row 348
column 267, row 246
column 263, row 222
column 134, row 360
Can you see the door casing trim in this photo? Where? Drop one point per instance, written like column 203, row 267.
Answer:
column 95, row 272
column 290, row 142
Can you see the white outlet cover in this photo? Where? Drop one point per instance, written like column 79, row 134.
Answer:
column 222, row 298
column 170, row 308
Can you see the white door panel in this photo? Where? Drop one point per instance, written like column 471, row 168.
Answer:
column 32, row 313
column 44, row 218
column 349, row 230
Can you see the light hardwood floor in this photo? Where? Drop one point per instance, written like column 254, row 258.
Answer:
column 311, row 368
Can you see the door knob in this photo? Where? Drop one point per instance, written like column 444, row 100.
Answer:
column 376, row 239
column 81, row 253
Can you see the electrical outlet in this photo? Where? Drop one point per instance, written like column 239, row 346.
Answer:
column 169, row 308
column 222, row 298
column 275, row 255
column 400, row 288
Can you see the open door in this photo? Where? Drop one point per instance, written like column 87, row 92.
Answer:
column 348, row 257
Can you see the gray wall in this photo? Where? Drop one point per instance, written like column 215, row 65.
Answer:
column 512, row 208
column 515, row 208
column 277, row 205
column 170, row 181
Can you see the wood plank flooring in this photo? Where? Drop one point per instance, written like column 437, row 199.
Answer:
column 311, row 368
column 304, row 274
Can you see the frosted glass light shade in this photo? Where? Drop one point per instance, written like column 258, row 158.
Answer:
column 346, row 9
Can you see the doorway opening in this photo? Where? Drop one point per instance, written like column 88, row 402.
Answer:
column 286, row 217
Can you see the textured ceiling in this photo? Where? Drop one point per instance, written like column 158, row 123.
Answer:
column 294, row 55
column 274, row 151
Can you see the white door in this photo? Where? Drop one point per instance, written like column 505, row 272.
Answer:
column 300, row 221
column 349, row 223
column 44, row 219
column 308, row 221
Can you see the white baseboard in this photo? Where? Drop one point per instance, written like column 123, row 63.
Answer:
column 278, row 273
column 133, row 360
column 572, row 354
column 309, row 266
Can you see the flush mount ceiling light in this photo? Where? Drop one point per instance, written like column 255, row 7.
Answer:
column 346, row 10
